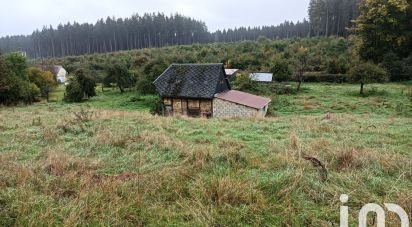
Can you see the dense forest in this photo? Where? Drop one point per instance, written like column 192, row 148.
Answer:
column 332, row 17
column 326, row 18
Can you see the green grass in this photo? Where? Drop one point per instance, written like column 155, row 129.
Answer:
column 130, row 100
column 344, row 98
column 57, row 94
column 124, row 166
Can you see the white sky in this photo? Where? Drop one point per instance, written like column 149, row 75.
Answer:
column 24, row 16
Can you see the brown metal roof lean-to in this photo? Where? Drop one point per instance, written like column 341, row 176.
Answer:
column 244, row 98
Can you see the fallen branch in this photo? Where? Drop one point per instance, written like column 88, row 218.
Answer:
column 318, row 164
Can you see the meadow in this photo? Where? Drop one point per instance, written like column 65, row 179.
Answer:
column 109, row 162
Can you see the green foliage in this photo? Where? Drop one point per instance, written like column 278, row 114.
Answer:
column 150, row 72
column 153, row 102
column 80, row 86
column 86, row 82
column 74, row 91
column 7, row 81
column 384, row 26
column 367, row 73
column 300, row 64
column 44, row 80
column 30, row 91
column 17, row 64
column 337, row 66
column 120, row 75
column 332, row 17
column 244, row 83
column 15, row 85
column 280, row 69
column 272, row 55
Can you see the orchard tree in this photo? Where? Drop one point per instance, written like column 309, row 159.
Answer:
column 120, row 75
column 300, row 64
column 364, row 73
column 86, row 82
column 150, row 72
column 15, row 85
column 74, row 92
column 8, row 83
column 17, row 64
column 80, row 85
column 44, row 80
column 280, row 69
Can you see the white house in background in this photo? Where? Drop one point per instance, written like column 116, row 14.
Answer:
column 58, row 71
column 261, row 77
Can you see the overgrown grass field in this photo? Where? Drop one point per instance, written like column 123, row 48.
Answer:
column 109, row 162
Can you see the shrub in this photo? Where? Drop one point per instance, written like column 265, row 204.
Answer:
column 280, row 69
column 28, row 92
column 74, row 92
column 150, row 72
column 120, row 75
column 393, row 65
column 15, row 85
column 367, row 73
column 43, row 80
column 325, row 77
column 86, row 82
column 339, row 66
column 244, row 83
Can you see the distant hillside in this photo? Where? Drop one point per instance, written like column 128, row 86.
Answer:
column 329, row 55
column 330, row 18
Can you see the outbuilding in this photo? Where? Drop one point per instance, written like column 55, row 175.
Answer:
column 261, row 77
column 203, row 90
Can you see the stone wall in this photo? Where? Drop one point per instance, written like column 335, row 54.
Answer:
column 222, row 108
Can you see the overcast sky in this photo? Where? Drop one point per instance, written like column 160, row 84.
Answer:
column 24, row 16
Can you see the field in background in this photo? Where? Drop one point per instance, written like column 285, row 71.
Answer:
column 109, row 162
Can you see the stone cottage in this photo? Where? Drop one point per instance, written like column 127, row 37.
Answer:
column 203, row 90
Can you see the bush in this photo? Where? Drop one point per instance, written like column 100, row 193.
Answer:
column 244, row 83
column 15, row 85
column 280, row 69
column 325, row 77
column 367, row 73
column 393, row 65
column 150, row 72
column 86, row 82
column 339, row 66
column 28, row 92
column 43, row 80
column 74, row 92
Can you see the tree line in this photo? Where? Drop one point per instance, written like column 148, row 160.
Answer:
column 21, row 83
column 326, row 17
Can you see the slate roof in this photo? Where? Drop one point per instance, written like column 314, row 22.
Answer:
column 244, row 98
column 192, row 81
